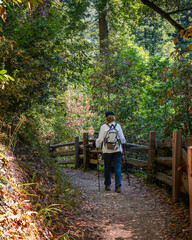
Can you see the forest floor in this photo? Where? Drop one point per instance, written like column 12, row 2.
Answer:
column 140, row 211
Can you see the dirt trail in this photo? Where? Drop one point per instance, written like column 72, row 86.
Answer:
column 140, row 211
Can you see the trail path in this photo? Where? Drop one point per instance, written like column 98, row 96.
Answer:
column 140, row 211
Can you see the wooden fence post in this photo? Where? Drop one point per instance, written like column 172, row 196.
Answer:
column 85, row 143
column 51, row 150
column 190, row 185
column 151, row 157
column 176, row 163
column 76, row 152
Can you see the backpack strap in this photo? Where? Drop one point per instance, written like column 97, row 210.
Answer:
column 111, row 126
column 117, row 133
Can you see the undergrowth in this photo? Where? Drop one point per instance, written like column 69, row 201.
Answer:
column 56, row 198
column 18, row 218
column 38, row 201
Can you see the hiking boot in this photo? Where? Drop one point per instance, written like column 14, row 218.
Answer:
column 118, row 189
column 107, row 188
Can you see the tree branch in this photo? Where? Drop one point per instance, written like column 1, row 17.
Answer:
column 162, row 13
column 179, row 10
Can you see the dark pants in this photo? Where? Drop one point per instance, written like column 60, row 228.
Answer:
column 116, row 159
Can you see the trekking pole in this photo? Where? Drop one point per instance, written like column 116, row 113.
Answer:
column 98, row 168
column 127, row 169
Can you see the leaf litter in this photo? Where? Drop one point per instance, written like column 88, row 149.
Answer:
column 141, row 211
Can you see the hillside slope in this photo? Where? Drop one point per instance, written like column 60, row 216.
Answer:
column 18, row 219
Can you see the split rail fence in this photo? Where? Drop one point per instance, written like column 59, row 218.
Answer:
column 166, row 156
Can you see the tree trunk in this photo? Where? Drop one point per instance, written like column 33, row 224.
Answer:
column 103, row 27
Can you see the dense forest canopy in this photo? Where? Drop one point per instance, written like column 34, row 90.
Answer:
column 64, row 63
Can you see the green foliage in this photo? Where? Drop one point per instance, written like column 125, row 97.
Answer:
column 178, row 92
column 63, row 86
column 13, row 134
column 132, row 83
column 50, row 212
column 67, row 115
column 127, row 80
column 113, row 75
column 155, row 36
column 141, row 174
column 54, row 84
column 4, row 78
column 41, row 54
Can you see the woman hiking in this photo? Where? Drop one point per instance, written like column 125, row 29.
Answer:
column 111, row 137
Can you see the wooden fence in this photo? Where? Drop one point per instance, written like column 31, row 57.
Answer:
column 74, row 153
column 168, row 155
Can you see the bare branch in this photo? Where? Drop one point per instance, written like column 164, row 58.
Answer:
column 179, row 10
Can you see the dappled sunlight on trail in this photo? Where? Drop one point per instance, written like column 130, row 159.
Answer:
column 140, row 212
column 116, row 231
